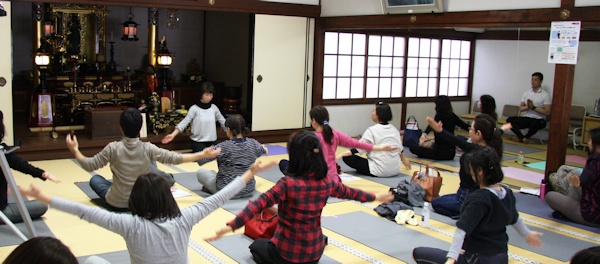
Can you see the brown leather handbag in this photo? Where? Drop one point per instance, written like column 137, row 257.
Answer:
column 430, row 183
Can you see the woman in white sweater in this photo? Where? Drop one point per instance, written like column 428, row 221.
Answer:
column 157, row 231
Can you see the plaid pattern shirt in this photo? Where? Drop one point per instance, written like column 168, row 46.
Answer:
column 298, row 237
column 590, row 190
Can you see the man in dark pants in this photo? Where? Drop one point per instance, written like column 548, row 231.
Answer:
column 536, row 105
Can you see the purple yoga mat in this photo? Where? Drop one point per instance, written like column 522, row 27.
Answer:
column 576, row 159
column 523, row 175
column 276, row 150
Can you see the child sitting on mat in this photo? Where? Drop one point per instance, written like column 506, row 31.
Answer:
column 237, row 155
column 481, row 230
column 128, row 158
column 157, row 231
column 300, row 196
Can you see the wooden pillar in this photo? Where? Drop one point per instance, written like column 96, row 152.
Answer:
column 152, row 31
column 560, row 115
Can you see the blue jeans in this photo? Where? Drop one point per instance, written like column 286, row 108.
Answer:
column 100, row 185
column 435, row 255
column 449, row 205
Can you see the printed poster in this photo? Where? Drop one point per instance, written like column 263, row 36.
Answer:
column 564, row 42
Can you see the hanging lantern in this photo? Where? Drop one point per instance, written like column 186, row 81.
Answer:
column 130, row 28
column 48, row 28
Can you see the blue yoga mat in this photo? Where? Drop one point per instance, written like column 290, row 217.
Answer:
column 276, row 150
column 381, row 234
column 542, row 166
column 236, row 247
column 516, row 148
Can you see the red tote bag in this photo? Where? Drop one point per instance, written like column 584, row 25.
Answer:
column 263, row 225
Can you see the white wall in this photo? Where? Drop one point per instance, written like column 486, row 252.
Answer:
column 503, row 69
column 331, row 8
column 6, row 72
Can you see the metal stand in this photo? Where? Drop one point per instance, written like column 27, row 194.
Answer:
column 10, row 180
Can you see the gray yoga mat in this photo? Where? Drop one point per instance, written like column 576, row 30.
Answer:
column 387, row 181
column 9, row 238
column 236, row 247
column 381, row 234
column 85, row 187
column 112, row 257
column 516, row 148
column 555, row 245
column 533, row 205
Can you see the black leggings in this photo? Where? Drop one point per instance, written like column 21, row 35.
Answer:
column 360, row 164
column 519, row 122
column 264, row 251
column 438, row 152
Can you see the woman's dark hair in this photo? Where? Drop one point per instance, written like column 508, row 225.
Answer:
column 306, row 156
column 487, row 126
column 595, row 137
column 320, row 114
column 383, row 112
column 488, row 105
column 151, row 198
column 485, row 159
column 2, row 131
column 131, row 122
column 207, row 87
column 46, row 250
column 587, row 256
column 443, row 107
column 237, row 125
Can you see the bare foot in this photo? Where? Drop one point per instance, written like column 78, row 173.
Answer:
column 525, row 141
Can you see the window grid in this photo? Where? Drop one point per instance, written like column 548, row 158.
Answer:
column 437, row 67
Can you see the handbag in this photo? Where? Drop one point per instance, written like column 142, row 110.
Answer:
column 412, row 133
column 431, row 184
column 263, row 225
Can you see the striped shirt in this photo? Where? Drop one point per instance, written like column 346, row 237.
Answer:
column 237, row 155
column 298, row 237
column 590, row 189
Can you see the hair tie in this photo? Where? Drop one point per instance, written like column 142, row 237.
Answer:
column 325, row 122
column 316, row 150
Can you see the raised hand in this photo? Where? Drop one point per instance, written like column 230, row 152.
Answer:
column 167, row 139
column 262, row 166
column 72, row 143
column 437, row 126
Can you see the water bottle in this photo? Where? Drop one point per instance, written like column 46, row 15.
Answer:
column 543, row 190
column 425, row 214
column 520, row 158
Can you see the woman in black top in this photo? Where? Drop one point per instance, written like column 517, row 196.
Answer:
column 442, row 149
column 36, row 209
column 483, row 132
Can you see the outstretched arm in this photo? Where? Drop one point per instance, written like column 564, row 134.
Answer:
column 208, row 152
column 73, row 146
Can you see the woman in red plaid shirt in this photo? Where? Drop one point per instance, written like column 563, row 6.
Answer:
column 300, row 196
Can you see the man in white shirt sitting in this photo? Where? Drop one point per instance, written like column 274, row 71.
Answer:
column 536, row 105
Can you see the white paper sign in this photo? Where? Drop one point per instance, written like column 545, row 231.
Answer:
column 564, row 42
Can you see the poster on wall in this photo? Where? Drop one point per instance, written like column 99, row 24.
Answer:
column 564, row 42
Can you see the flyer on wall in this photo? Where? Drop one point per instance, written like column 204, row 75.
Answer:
column 564, row 42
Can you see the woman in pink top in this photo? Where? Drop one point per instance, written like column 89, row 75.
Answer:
column 331, row 139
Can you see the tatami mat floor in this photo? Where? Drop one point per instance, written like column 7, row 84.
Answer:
column 86, row 239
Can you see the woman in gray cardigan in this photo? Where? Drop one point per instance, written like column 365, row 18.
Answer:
column 155, row 216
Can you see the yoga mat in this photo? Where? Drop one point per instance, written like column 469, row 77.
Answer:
column 516, row 148
column 533, row 205
column 555, row 245
column 576, row 159
column 523, row 175
column 388, row 181
column 508, row 157
column 276, row 150
column 381, row 234
column 537, row 165
column 87, row 189
column 236, row 247
column 454, row 162
column 542, row 166
column 111, row 257
column 9, row 238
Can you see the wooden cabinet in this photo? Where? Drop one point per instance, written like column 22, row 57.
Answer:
column 589, row 122
column 103, row 123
